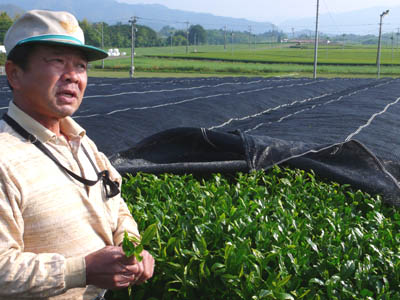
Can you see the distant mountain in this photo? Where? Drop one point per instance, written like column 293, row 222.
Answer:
column 11, row 10
column 153, row 15
column 156, row 16
column 365, row 21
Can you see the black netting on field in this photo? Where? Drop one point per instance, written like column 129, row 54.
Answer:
column 346, row 130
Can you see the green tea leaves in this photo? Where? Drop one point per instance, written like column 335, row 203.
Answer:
column 148, row 234
column 284, row 234
column 133, row 246
column 129, row 246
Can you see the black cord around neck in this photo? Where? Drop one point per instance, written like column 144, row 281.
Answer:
column 110, row 186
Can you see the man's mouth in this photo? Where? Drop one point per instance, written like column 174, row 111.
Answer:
column 68, row 94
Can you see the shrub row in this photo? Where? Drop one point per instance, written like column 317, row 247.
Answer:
column 280, row 235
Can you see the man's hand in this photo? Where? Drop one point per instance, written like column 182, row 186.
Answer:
column 109, row 268
column 143, row 270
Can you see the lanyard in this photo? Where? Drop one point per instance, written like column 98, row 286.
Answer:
column 111, row 187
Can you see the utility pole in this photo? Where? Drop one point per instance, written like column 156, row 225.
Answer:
column 171, row 40
column 249, row 36
column 316, row 43
column 378, row 57
column 187, row 37
column 344, row 40
column 133, row 36
column 392, row 38
column 232, row 42
column 102, row 40
column 225, row 37
column 102, row 43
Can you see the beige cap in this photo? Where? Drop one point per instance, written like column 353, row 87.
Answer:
column 50, row 27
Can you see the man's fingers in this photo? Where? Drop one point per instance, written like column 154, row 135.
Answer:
column 127, row 278
column 136, row 269
column 146, row 268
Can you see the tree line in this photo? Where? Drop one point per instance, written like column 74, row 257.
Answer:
column 5, row 23
column 119, row 35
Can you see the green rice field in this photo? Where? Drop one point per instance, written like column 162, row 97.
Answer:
column 254, row 60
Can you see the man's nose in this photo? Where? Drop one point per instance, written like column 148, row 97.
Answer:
column 71, row 73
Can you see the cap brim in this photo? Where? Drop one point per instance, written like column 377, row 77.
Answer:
column 92, row 53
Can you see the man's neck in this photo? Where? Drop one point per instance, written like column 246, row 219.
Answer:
column 52, row 124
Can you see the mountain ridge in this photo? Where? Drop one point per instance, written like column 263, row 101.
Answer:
column 155, row 16
column 364, row 21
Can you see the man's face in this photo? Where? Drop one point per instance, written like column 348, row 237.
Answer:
column 53, row 84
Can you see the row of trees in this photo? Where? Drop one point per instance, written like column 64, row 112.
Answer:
column 5, row 23
column 119, row 35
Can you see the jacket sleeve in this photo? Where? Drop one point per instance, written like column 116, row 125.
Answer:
column 26, row 274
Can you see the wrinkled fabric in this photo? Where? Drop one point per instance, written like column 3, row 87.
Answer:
column 48, row 221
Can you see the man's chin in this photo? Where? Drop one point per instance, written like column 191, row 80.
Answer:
column 65, row 110
column 65, row 113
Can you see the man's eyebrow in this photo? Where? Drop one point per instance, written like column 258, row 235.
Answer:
column 63, row 52
column 54, row 52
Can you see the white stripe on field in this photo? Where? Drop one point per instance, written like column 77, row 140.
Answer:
column 316, row 105
column 193, row 88
column 371, row 119
column 150, row 107
column 168, row 104
column 266, row 111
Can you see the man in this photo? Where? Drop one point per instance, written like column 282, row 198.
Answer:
column 62, row 220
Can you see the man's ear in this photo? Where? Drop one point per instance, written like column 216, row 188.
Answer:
column 13, row 73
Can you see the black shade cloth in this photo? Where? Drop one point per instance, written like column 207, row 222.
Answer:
column 346, row 130
column 199, row 151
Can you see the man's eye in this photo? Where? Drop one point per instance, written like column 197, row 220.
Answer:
column 55, row 61
column 82, row 67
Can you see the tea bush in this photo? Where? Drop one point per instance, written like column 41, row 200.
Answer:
column 277, row 235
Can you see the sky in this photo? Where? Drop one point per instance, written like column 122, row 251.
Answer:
column 274, row 11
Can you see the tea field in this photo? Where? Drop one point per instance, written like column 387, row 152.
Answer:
column 334, row 60
column 284, row 234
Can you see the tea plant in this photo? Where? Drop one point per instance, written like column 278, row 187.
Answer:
column 277, row 235
column 133, row 246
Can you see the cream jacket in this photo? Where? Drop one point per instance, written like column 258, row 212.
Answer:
column 48, row 221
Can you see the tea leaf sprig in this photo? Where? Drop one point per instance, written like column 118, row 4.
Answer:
column 133, row 246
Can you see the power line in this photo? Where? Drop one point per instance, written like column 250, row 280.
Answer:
column 329, row 13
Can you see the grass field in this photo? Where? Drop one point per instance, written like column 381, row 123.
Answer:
column 254, row 60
